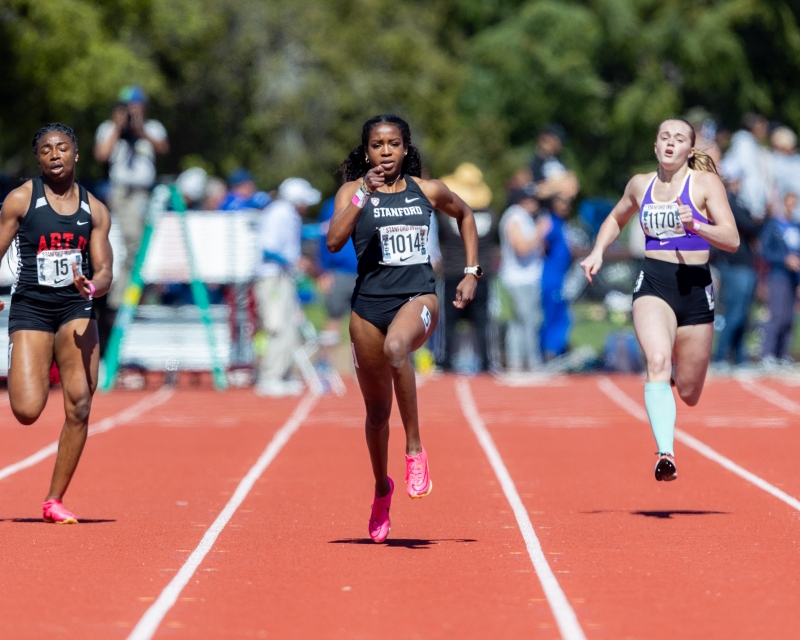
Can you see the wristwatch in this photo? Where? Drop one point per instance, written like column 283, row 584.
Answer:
column 476, row 271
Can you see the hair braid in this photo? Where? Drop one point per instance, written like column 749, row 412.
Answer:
column 54, row 127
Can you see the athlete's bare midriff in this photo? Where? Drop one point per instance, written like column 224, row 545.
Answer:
column 679, row 257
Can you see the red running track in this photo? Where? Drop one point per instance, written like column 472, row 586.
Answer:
column 707, row 556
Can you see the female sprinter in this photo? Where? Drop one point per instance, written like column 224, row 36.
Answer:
column 386, row 208
column 683, row 210
column 61, row 236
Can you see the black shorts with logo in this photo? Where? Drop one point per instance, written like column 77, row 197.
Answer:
column 686, row 288
column 29, row 314
column 379, row 310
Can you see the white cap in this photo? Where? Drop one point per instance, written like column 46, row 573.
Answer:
column 731, row 170
column 192, row 183
column 298, row 192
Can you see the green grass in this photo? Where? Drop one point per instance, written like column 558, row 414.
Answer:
column 593, row 324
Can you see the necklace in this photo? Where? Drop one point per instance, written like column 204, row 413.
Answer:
column 390, row 184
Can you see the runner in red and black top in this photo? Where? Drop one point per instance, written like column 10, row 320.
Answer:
column 386, row 207
column 61, row 236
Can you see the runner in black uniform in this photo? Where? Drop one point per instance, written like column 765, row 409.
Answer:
column 61, row 236
column 386, row 208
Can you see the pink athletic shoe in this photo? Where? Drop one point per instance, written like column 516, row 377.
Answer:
column 54, row 511
column 418, row 481
column 379, row 523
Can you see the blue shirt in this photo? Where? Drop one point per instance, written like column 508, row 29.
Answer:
column 557, row 258
column 234, row 202
column 344, row 260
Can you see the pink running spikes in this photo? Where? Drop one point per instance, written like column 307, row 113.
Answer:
column 54, row 511
column 379, row 523
column 418, row 480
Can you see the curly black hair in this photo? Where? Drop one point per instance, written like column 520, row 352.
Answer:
column 355, row 166
column 54, row 126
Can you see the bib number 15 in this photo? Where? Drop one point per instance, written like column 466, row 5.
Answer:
column 54, row 268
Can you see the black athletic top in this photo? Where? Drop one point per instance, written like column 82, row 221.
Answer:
column 47, row 244
column 391, row 240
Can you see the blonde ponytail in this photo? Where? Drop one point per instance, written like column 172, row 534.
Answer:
column 701, row 161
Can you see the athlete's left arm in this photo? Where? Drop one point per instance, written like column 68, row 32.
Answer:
column 449, row 203
column 100, row 252
column 723, row 233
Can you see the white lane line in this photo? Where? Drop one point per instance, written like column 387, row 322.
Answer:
column 150, row 621
column 770, row 395
column 563, row 613
column 637, row 411
column 106, row 424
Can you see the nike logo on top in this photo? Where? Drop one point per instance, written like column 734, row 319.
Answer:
column 411, row 200
column 82, row 223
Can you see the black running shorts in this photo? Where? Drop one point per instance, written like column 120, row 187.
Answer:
column 26, row 314
column 686, row 288
column 379, row 310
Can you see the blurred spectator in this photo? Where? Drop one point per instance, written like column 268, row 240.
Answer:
column 523, row 230
column 547, row 170
column 192, row 185
column 705, row 130
column 215, row 193
column 556, row 323
column 785, row 164
column 276, row 294
column 337, row 281
column 467, row 182
column 129, row 143
column 738, row 274
column 243, row 193
column 780, row 241
column 747, row 152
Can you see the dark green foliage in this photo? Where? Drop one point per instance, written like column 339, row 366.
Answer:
column 283, row 87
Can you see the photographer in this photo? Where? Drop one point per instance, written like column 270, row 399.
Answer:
column 129, row 144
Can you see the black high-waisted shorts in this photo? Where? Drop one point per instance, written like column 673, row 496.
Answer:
column 35, row 315
column 686, row 288
column 379, row 310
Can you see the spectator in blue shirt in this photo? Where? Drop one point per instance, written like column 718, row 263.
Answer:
column 337, row 281
column 554, row 332
column 243, row 193
column 780, row 242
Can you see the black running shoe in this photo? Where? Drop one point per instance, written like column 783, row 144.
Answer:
column 665, row 468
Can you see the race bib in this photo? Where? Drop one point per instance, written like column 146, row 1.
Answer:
column 662, row 221
column 404, row 244
column 55, row 267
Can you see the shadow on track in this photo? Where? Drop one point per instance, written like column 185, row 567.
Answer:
column 40, row 521
column 665, row 515
column 405, row 543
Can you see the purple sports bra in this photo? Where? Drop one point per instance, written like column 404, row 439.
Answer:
column 661, row 225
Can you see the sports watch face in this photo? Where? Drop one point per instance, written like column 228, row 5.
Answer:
column 476, row 271
column 479, row 271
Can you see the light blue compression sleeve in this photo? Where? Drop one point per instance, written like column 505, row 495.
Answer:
column 662, row 412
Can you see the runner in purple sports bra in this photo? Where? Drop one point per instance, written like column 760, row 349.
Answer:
column 683, row 211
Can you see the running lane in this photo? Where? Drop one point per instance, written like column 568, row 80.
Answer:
column 145, row 492
column 296, row 562
column 706, row 556
column 754, row 433
column 18, row 441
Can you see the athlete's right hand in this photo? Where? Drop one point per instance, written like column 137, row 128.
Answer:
column 591, row 265
column 374, row 178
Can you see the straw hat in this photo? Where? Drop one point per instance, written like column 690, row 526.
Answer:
column 467, row 182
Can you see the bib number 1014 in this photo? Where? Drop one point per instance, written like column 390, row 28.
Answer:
column 404, row 244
